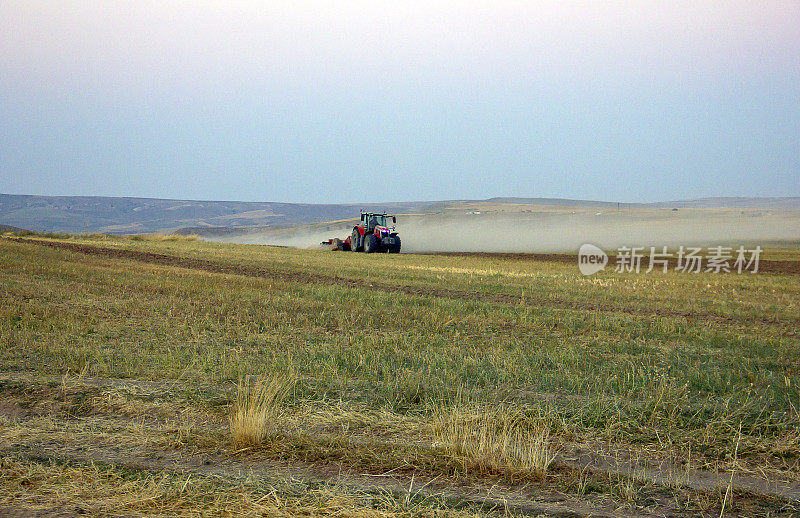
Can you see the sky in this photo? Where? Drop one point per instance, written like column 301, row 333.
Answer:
column 345, row 102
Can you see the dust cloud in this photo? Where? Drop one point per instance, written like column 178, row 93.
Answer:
column 565, row 231
column 299, row 237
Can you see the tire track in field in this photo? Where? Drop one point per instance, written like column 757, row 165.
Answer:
column 311, row 278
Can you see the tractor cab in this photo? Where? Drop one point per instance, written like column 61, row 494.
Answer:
column 370, row 220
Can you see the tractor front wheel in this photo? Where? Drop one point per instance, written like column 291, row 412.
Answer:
column 395, row 248
column 370, row 244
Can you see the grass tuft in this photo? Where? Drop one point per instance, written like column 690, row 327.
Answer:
column 495, row 440
column 257, row 407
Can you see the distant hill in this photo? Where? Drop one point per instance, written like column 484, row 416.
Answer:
column 698, row 203
column 561, row 202
column 9, row 228
column 734, row 203
column 77, row 214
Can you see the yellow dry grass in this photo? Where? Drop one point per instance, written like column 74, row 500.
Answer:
column 495, row 440
column 72, row 489
column 257, row 407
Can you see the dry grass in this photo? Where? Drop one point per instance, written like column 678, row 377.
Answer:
column 257, row 407
column 72, row 489
column 495, row 440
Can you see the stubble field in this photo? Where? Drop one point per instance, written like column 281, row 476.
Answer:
column 169, row 376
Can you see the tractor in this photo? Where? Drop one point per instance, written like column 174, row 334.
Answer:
column 373, row 234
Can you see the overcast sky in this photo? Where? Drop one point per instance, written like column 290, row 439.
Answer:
column 386, row 101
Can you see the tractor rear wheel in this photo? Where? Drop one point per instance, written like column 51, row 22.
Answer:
column 355, row 244
column 370, row 244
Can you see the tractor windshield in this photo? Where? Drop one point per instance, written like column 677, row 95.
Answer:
column 373, row 220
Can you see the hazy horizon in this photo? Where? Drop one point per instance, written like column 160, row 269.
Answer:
column 356, row 202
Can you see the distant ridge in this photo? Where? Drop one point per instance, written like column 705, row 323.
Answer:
column 562, row 202
column 698, row 203
column 122, row 215
column 734, row 203
column 9, row 228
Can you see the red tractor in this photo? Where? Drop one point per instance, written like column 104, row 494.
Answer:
column 373, row 234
